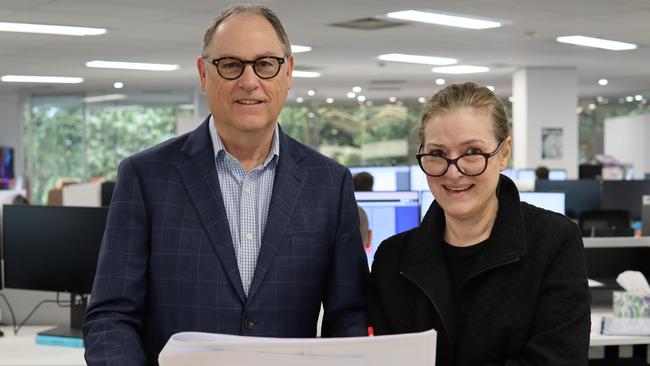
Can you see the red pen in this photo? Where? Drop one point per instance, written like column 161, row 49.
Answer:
column 371, row 332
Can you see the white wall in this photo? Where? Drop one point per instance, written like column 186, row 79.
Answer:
column 626, row 139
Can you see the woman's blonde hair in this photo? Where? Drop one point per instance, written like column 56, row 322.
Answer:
column 466, row 95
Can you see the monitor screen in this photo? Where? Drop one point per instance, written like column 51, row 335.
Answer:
column 625, row 195
column 389, row 213
column 552, row 201
column 426, row 199
column 581, row 195
column 557, row 174
column 6, row 166
column 387, row 178
column 418, row 179
column 52, row 248
column 526, row 175
column 510, row 173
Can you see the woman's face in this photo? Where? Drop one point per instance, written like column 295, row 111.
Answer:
column 454, row 133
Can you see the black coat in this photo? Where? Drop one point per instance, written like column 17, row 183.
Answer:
column 527, row 297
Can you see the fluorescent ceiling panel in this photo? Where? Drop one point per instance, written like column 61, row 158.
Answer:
column 460, row 69
column 417, row 59
column 131, row 65
column 41, row 79
column 596, row 43
column 451, row 20
column 50, row 29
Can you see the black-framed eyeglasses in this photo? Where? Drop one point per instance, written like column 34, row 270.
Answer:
column 231, row 68
column 470, row 164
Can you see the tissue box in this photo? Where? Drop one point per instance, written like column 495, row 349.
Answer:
column 631, row 305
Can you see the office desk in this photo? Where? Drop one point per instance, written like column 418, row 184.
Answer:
column 22, row 349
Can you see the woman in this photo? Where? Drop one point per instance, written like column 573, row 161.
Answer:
column 503, row 282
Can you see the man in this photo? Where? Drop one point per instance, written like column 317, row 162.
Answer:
column 234, row 227
column 363, row 182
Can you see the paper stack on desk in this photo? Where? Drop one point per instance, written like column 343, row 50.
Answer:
column 631, row 307
column 203, row 349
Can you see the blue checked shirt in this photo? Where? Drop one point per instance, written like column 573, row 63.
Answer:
column 246, row 197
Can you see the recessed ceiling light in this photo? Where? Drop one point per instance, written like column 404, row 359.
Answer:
column 298, row 49
column 460, row 69
column 422, row 99
column 356, row 89
column 329, row 100
column 638, row 97
column 311, row 92
column 50, row 29
column 392, row 99
column 440, row 81
column 452, row 20
column 351, row 95
column 118, row 85
column 305, row 74
column 417, row 59
column 41, row 79
column 596, row 42
column 603, row 82
column 490, row 87
column 104, row 98
column 361, row 98
column 130, row 65
column 300, row 99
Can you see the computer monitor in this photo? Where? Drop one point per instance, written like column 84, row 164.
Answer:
column 387, row 178
column 418, row 179
column 581, row 195
column 625, row 195
column 552, row 201
column 53, row 248
column 510, row 173
column 6, row 166
column 426, row 199
column 389, row 213
column 557, row 174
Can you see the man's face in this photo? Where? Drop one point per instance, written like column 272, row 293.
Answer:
column 249, row 103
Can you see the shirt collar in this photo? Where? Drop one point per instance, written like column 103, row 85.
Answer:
column 218, row 146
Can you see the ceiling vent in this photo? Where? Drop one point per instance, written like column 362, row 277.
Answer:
column 368, row 23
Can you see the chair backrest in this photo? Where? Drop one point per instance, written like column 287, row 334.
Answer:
column 605, row 223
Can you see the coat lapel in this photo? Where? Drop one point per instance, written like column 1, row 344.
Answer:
column 424, row 264
column 289, row 181
column 199, row 176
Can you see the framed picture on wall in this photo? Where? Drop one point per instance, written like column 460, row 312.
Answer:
column 552, row 142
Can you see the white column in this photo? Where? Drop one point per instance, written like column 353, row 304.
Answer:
column 11, row 108
column 544, row 119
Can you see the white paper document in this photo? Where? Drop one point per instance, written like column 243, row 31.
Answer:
column 202, row 349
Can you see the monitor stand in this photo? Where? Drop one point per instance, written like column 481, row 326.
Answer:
column 77, row 314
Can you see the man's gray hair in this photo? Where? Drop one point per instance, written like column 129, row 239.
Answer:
column 248, row 9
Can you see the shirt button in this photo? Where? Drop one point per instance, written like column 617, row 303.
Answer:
column 249, row 324
column 249, row 236
column 247, row 189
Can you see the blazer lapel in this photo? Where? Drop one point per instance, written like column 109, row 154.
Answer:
column 199, row 176
column 289, row 181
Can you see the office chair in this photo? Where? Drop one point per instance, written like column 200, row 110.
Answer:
column 605, row 223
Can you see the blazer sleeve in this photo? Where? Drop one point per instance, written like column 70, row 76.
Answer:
column 345, row 299
column 562, row 325
column 114, row 320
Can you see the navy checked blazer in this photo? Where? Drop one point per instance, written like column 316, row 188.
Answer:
column 167, row 262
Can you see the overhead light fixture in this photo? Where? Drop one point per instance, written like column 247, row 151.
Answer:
column 452, row 20
column 417, row 59
column 597, row 43
column 305, row 74
column 298, row 49
column 41, row 79
column 603, row 82
column 460, row 69
column 50, row 29
column 130, row 65
column 104, row 98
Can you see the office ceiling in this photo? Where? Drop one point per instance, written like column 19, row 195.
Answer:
column 170, row 31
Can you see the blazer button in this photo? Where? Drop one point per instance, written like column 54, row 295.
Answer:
column 249, row 324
